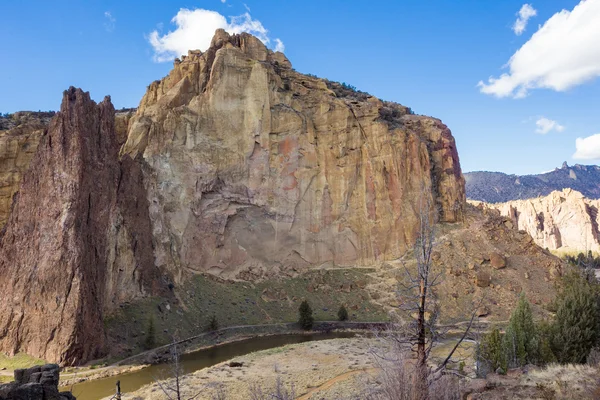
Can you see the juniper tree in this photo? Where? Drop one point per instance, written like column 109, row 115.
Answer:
column 150, row 340
column 305, row 319
column 520, row 342
column 342, row 313
column 576, row 324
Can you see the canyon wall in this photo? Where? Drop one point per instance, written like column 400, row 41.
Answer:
column 74, row 245
column 234, row 165
column 252, row 168
column 564, row 220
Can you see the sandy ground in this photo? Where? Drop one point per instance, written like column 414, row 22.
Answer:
column 329, row 369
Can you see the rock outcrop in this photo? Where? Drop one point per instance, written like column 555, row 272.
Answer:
column 19, row 138
column 564, row 220
column 234, row 165
column 252, row 166
column 17, row 147
column 74, row 245
column 36, row 383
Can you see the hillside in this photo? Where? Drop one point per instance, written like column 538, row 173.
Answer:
column 496, row 187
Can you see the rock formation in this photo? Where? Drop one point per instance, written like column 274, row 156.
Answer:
column 19, row 138
column 252, row 167
column 564, row 220
column 35, row 383
column 77, row 241
column 495, row 187
column 17, row 147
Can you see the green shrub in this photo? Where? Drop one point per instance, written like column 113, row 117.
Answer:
column 576, row 324
column 306, row 319
column 342, row 313
column 490, row 354
column 150, row 340
column 213, row 323
column 520, row 342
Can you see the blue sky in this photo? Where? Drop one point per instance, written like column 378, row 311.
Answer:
column 428, row 55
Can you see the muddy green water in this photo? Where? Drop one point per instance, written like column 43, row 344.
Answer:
column 101, row 388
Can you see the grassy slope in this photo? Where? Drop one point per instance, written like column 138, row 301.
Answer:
column 20, row 360
column 241, row 303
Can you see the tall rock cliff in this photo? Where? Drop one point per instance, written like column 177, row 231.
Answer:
column 19, row 138
column 234, row 165
column 68, row 252
column 252, row 167
column 18, row 144
column 564, row 220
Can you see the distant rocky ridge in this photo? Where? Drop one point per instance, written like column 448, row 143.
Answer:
column 495, row 187
column 563, row 220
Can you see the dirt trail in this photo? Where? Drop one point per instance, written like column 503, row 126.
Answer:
column 333, row 381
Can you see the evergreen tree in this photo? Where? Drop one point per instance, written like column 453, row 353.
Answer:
column 576, row 324
column 490, row 354
column 213, row 323
column 150, row 340
column 342, row 313
column 306, row 319
column 520, row 341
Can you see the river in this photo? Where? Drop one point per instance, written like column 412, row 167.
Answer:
column 101, row 388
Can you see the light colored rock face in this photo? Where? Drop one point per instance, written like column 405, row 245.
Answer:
column 251, row 167
column 17, row 147
column 563, row 220
column 19, row 144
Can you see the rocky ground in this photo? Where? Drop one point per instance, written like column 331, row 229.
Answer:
column 484, row 263
column 311, row 370
column 344, row 369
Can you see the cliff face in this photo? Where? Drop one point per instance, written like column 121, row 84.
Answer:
column 67, row 252
column 17, row 147
column 563, row 220
column 234, row 165
column 19, row 138
column 251, row 167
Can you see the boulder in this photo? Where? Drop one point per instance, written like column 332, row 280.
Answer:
column 497, row 261
column 483, row 279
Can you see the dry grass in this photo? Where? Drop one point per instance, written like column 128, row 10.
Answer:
column 19, row 360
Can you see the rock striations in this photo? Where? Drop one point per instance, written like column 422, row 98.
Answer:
column 67, row 252
column 252, row 167
column 564, row 220
column 233, row 165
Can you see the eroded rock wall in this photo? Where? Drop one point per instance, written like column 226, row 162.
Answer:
column 75, row 245
column 17, row 147
column 252, row 167
column 563, row 220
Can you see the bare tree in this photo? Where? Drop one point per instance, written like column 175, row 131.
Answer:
column 172, row 387
column 417, row 299
column 278, row 392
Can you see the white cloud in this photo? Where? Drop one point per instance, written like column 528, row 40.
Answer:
column 545, row 125
column 526, row 12
column 195, row 29
column 563, row 53
column 587, row 148
column 110, row 22
column 279, row 46
column 223, row 1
